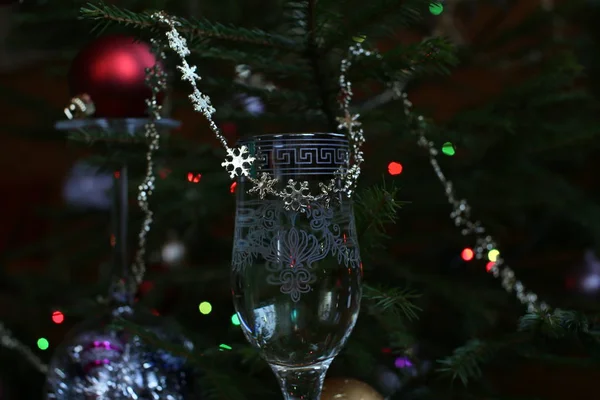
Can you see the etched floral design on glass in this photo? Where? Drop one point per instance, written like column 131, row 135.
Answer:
column 296, row 267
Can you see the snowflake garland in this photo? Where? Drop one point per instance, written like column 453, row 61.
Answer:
column 238, row 162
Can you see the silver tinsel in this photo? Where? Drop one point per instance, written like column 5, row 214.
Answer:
column 102, row 360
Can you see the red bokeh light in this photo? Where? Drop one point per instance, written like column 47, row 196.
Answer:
column 395, row 168
column 232, row 187
column 467, row 254
column 163, row 173
column 229, row 128
column 489, row 266
column 58, row 317
column 117, row 174
column 194, row 178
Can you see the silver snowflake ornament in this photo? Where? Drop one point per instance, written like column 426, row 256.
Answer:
column 178, row 43
column 348, row 121
column 329, row 192
column 238, row 162
column 263, row 186
column 201, row 103
column 188, row 72
column 296, row 196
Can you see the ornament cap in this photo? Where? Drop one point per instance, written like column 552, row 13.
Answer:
column 80, row 106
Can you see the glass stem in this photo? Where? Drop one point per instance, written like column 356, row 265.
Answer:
column 301, row 383
column 120, row 292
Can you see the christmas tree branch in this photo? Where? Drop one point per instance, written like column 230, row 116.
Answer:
column 375, row 207
column 556, row 324
column 466, row 361
column 431, row 55
column 298, row 98
column 397, row 301
column 203, row 29
column 314, row 54
column 267, row 63
column 288, row 116
column 374, row 18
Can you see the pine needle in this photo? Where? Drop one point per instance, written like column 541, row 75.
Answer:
column 396, row 301
column 465, row 362
column 555, row 324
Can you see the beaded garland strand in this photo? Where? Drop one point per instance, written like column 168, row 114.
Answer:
column 156, row 79
column 461, row 215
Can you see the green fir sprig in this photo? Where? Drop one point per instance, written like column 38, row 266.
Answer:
column 107, row 14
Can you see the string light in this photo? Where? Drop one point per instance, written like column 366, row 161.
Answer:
column 395, row 168
column 232, row 187
column 467, row 254
column 493, row 255
column 43, row 344
column 436, row 8
column 403, row 362
column 224, row 347
column 235, row 320
column 193, row 178
column 205, row 307
column 58, row 317
column 448, row 149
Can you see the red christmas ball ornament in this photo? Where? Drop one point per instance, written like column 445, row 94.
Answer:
column 112, row 71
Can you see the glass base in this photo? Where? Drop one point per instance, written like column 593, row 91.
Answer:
column 302, row 383
column 112, row 129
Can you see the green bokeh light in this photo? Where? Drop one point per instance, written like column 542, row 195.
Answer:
column 436, row 8
column 205, row 307
column 493, row 255
column 235, row 320
column 43, row 344
column 448, row 149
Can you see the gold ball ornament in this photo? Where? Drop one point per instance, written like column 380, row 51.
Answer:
column 348, row 389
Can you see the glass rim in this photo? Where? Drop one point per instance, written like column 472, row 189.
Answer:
column 291, row 136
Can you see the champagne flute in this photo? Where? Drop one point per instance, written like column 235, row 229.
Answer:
column 296, row 269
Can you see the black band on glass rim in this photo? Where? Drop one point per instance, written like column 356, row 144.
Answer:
column 289, row 154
